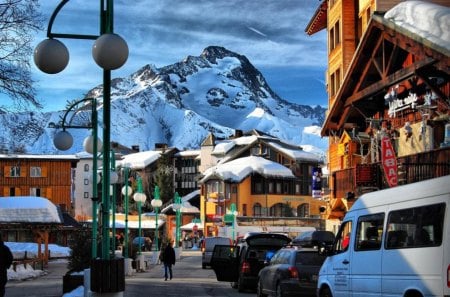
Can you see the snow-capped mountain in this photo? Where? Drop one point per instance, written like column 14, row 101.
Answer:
column 218, row 91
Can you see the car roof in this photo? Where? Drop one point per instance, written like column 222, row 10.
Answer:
column 275, row 239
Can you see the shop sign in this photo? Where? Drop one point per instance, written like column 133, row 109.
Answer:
column 389, row 161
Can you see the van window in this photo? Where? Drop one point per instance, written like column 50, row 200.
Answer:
column 343, row 237
column 415, row 227
column 369, row 231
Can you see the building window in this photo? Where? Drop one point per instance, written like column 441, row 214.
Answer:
column 86, row 195
column 14, row 171
column 35, row 171
column 257, row 210
column 244, row 210
column 86, row 167
column 335, row 36
column 12, row 192
column 86, row 181
column 303, row 210
column 35, row 192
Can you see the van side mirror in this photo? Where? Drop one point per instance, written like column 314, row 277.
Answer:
column 325, row 249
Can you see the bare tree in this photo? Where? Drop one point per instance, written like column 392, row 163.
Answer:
column 19, row 19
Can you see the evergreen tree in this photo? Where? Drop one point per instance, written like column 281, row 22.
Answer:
column 164, row 178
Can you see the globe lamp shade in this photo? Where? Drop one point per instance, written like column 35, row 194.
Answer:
column 63, row 140
column 110, row 51
column 51, row 56
column 113, row 177
column 156, row 202
column 88, row 144
column 127, row 190
column 139, row 197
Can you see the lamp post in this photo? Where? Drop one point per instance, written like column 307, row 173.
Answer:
column 110, row 52
column 234, row 213
column 127, row 191
column 140, row 198
column 177, row 207
column 156, row 204
column 63, row 140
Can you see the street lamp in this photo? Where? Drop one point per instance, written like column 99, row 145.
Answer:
column 110, row 52
column 156, row 204
column 177, row 207
column 127, row 191
column 63, row 141
column 234, row 214
column 140, row 198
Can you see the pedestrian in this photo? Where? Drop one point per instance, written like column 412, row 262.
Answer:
column 168, row 258
column 6, row 259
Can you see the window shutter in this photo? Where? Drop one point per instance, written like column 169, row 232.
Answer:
column 44, row 171
column 23, row 172
column 8, row 172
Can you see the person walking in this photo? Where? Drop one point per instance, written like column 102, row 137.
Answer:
column 168, row 258
column 6, row 259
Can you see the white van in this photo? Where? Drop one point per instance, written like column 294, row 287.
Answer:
column 394, row 242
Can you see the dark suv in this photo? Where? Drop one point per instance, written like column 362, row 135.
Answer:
column 291, row 272
column 241, row 263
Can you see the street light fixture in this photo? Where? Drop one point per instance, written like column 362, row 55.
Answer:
column 234, row 213
column 177, row 207
column 156, row 204
column 109, row 52
column 127, row 191
column 140, row 198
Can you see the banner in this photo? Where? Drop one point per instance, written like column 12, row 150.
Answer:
column 317, row 182
column 389, row 161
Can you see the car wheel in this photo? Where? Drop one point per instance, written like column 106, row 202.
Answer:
column 259, row 292
column 325, row 292
column 241, row 285
column 278, row 292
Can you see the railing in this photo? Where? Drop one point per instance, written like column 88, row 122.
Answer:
column 411, row 169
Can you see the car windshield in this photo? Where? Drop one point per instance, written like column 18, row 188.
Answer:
column 309, row 258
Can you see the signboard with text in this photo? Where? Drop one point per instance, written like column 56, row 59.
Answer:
column 389, row 161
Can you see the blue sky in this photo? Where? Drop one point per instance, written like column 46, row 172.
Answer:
column 269, row 33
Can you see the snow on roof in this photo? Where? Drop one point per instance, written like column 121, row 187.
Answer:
column 189, row 153
column 238, row 169
column 297, row 154
column 56, row 157
column 139, row 160
column 226, row 145
column 28, row 209
column 428, row 20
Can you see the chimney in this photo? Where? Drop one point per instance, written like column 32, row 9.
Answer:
column 135, row 147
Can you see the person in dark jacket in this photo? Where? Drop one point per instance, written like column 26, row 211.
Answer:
column 168, row 258
column 6, row 259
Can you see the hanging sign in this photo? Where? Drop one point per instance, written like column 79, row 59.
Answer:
column 317, row 182
column 389, row 161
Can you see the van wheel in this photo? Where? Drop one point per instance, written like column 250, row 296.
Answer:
column 325, row 292
column 204, row 266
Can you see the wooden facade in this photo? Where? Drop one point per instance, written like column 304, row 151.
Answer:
column 38, row 175
column 382, row 80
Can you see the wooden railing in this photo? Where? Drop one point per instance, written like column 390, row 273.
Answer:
column 411, row 169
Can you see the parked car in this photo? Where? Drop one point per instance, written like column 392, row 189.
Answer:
column 241, row 264
column 208, row 244
column 292, row 271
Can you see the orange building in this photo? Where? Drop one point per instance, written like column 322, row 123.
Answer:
column 388, row 84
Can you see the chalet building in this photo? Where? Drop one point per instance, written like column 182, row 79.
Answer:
column 261, row 176
column 388, row 89
column 186, row 171
column 48, row 176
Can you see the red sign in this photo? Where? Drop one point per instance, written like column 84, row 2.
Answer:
column 389, row 161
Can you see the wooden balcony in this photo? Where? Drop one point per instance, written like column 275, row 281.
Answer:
column 411, row 169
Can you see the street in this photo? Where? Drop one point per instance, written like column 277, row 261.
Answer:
column 189, row 280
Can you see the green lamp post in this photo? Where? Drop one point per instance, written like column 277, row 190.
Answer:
column 127, row 191
column 177, row 207
column 140, row 198
column 156, row 204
